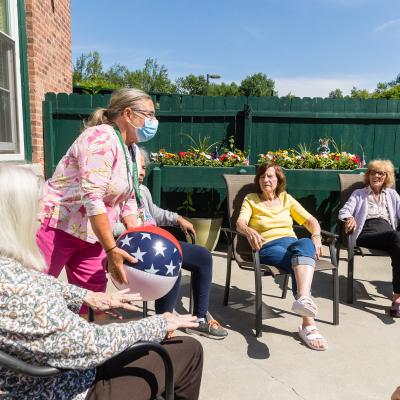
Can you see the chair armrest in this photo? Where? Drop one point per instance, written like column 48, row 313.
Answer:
column 231, row 233
column 144, row 348
column 329, row 236
column 22, row 367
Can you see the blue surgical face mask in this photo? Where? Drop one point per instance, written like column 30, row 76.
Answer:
column 147, row 131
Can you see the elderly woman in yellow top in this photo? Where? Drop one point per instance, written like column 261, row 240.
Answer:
column 266, row 218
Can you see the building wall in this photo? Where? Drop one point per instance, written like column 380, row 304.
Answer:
column 48, row 30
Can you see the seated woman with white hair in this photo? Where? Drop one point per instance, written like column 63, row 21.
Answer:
column 40, row 323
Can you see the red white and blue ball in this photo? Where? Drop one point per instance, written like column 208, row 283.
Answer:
column 159, row 258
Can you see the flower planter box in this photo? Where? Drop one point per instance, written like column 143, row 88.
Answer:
column 318, row 191
column 171, row 177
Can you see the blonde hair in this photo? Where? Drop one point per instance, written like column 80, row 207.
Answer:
column 381, row 165
column 20, row 190
column 119, row 100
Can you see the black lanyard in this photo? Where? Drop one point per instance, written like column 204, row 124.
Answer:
column 133, row 175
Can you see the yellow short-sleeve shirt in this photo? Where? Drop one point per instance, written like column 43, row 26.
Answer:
column 273, row 222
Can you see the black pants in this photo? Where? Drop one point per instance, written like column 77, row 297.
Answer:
column 379, row 234
column 143, row 378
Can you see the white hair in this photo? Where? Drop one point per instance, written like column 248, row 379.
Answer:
column 20, row 192
column 144, row 154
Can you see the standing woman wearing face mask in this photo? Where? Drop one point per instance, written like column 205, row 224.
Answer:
column 94, row 185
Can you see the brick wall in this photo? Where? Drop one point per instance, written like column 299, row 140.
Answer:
column 48, row 28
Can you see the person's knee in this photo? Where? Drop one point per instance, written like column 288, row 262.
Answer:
column 195, row 349
column 303, row 247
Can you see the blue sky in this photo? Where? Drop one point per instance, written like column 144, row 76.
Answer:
column 308, row 47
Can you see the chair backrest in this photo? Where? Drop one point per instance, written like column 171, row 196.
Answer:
column 238, row 186
column 348, row 184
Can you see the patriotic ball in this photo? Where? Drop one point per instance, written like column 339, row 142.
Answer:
column 159, row 258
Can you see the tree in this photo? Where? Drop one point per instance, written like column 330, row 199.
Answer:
column 257, row 85
column 223, row 89
column 192, row 84
column 118, row 74
column 336, row 94
column 359, row 93
column 152, row 78
column 87, row 67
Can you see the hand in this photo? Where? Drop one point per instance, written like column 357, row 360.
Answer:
column 99, row 301
column 396, row 394
column 175, row 322
column 318, row 246
column 254, row 238
column 186, row 225
column 350, row 225
column 115, row 261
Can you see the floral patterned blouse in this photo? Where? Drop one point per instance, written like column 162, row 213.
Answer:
column 91, row 179
column 39, row 324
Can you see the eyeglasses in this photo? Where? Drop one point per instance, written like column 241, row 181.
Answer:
column 147, row 113
column 378, row 173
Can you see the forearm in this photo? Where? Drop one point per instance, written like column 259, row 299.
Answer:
column 130, row 221
column 242, row 226
column 313, row 226
column 102, row 229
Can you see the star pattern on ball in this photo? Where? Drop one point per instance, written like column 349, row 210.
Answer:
column 139, row 254
column 159, row 248
column 156, row 254
column 170, row 268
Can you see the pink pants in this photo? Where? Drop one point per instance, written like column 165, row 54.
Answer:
column 83, row 261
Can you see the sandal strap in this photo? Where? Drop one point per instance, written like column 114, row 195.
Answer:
column 305, row 300
column 312, row 332
column 309, row 328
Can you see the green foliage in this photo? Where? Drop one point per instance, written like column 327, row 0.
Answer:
column 257, row 85
column 88, row 67
column 336, row 94
column 192, row 84
column 152, row 78
column 359, row 93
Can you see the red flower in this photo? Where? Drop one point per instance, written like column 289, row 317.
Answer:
column 356, row 160
column 182, row 153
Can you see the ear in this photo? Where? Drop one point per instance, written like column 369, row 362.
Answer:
column 127, row 112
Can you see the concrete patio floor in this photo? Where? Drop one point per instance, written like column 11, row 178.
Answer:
column 360, row 364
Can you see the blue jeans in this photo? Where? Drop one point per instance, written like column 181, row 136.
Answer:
column 287, row 252
column 198, row 261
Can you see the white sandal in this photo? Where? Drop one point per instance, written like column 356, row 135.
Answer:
column 310, row 333
column 305, row 307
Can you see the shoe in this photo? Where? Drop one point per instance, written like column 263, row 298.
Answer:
column 310, row 333
column 305, row 307
column 394, row 310
column 211, row 329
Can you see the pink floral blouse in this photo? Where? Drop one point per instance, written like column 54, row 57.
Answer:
column 91, row 179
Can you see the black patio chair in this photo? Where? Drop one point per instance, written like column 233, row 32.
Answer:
column 41, row 371
column 238, row 186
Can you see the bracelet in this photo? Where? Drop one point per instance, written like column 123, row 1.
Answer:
column 112, row 248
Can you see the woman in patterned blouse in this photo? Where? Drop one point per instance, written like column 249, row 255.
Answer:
column 95, row 184
column 39, row 321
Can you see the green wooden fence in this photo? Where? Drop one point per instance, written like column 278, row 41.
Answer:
column 257, row 123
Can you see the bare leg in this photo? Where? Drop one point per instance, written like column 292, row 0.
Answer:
column 304, row 275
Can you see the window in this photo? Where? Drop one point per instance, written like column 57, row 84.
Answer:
column 11, row 123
